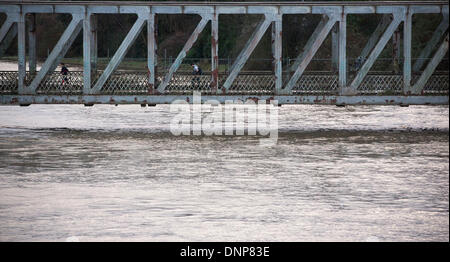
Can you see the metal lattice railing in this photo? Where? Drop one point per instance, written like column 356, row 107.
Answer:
column 136, row 83
column 183, row 83
column 381, row 84
column 125, row 83
column 437, row 84
column 8, row 82
column 244, row 84
column 56, row 83
column 313, row 84
column 251, row 84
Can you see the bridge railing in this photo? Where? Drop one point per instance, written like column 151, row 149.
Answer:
column 136, row 83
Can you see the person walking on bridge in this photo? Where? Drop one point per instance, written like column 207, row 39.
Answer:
column 196, row 71
column 64, row 72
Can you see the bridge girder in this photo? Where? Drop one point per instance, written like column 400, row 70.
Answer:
column 335, row 13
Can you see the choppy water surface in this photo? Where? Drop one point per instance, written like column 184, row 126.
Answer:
column 106, row 173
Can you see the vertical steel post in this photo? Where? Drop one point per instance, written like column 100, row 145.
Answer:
column 32, row 43
column 87, row 53
column 276, row 49
column 21, row 52
column 156, row 61
column 273, row 35
column 342, row 43
column 396, row 50
column 151, row 52
column 94, row 48
column 335, row 48
column 214, row 53
column 407, row 31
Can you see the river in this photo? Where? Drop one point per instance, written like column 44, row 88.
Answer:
column 116, row 173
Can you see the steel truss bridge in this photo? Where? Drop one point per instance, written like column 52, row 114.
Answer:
column 418, row 83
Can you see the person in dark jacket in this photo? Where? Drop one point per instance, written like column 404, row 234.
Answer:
column 359, row 63
column 64, row 72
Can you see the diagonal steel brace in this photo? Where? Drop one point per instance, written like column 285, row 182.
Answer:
column 120, row 53
column 190, row 42
column 58, row 52
column 437, row 58
column 310, row 49
column 398, row 18
column 248, row 49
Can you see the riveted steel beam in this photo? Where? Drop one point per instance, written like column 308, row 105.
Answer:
column 151, row 52
column 342, row 51
column 431, row 44
column 167, row 99
column 94, row 46
column 120, row 53
column 190, row 42
column 58, row 52
column 310, row 42
column 70, row 9
column 437, row 58
column 427, row 9
column 335, row 48
column 87, row 53
column 295, row 10
column 6, row 26
column 276, row 52
column 9, row 9
column 262, row 9
column 8, row 32
column 15, row 24
column 21, row 42
column 231, row 9
column 31, row 19
column 214, row 53
column 38, row 9
column 376, row 35
column 407, row 39
column 247, row 50
column 396, row 50
column 103, row 9
column 198, row 10
column 167, row 9
column 398, row 18
column 310, row 49
column 360, row 9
